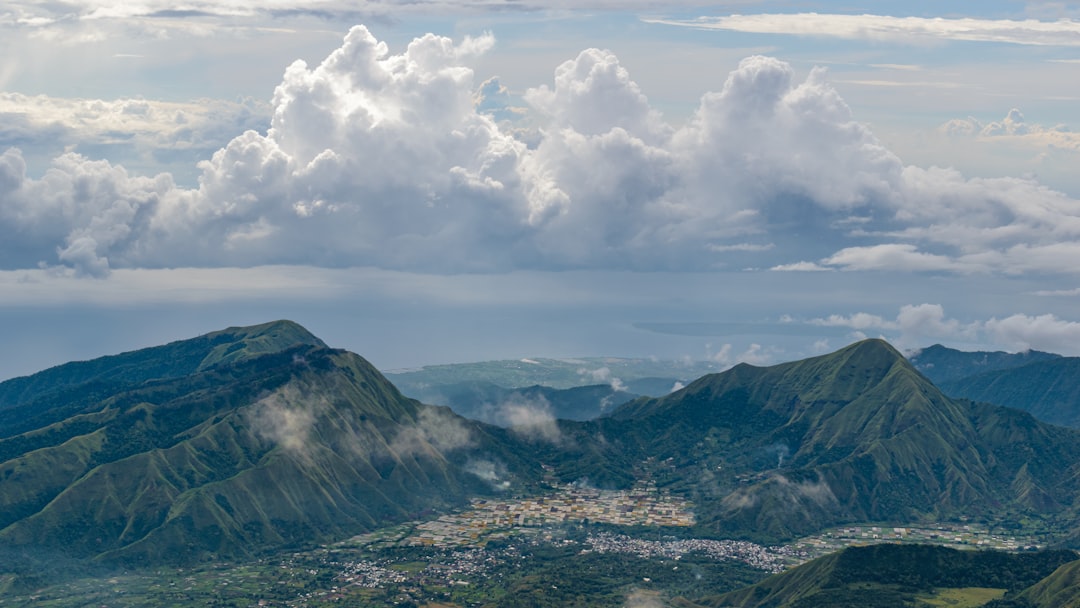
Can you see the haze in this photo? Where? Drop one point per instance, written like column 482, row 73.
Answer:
column 437, row 182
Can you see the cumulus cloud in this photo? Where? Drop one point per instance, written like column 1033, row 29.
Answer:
column 725, row 356
column 397, row 161
column 1015, row 129
column 904, row 30
column 1043, row 332
column 917, row 325
column 528, row 418
column 146, row 126
column 491, row 471
column 913, row 325
column 603, row 375
column 285, row 418
column 435, row 431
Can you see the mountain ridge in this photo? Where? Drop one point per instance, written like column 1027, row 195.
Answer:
column 855, row 435
column 269, row 449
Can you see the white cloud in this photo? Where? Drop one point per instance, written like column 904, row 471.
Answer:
column 1044, row 332
column 385, row 160
column 755, row 354
column 1017, row 130
column 147, row 127
column 286, row 418
column 917, row 325
column 889, row 256
column 800, row 267
column 528, row 418
column 902, row 30
column 857, row 321
column 434, row 433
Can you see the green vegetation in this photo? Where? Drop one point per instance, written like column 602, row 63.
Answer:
column 270, row 440
column 881, row 576
column 858, row 435
column 517, row 572
column 255, row 445
column 965, row 597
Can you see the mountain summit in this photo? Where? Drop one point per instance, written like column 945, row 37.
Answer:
column 226, row 444
column 260, row 438
column 855, row 435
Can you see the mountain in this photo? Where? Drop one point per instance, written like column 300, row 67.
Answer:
column 1044, row 384
column 1049, row 389
column 856, row 435
column 52, row 395
column 228, row 444
column 497, row 405
column 893, row 576
column 942, row 364
column 261, row 438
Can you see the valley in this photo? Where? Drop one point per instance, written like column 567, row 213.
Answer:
column 477, row 555
column 256, row 466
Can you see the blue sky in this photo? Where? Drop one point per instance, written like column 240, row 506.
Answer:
column 440, row 181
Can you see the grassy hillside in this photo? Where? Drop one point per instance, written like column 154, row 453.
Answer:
column 885, row 576
column 857, row 435
column 255, row 448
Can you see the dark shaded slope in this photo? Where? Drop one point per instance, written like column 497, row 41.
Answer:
column 1049, row 390
column 1059, row 590
column 890, row 576
column 942, row 364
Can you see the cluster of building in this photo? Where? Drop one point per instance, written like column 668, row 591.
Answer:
column 453, row 568
column 489, row 519
column 770, row 559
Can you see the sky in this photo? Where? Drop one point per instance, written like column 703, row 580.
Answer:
column 432, row 182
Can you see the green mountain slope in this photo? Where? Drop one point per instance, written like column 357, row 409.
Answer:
column 1050, row 390
column 887, row 576
column 57, row 393
column 942, row 364
column 857, row 435
column 268, row 441
column 1059, row 590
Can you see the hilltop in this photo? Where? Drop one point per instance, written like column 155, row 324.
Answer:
column 228, row 444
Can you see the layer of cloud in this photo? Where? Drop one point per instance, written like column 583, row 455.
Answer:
column 136, row 131
column 387, row 160
column 1015, row 128
column 205, row 17
column 903, row 30
column 918, row 325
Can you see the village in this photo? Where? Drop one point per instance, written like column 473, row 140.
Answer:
column 492, row 519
